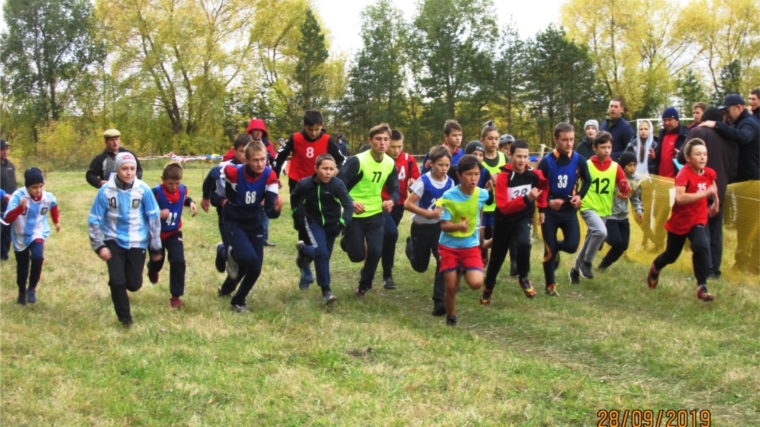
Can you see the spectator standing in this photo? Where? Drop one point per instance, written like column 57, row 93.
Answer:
column 618, row 127
column 103, row 165
column 8, row 184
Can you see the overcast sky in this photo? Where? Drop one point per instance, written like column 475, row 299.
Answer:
column 342, row 18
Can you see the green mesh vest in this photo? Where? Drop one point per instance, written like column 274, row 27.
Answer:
column 368, row 190
column 493, row 171
column 459, row 210
column 602, row 190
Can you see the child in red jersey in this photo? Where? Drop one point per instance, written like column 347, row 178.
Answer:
column 695, row 183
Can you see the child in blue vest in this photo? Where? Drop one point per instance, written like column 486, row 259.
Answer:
column 426, row 220
column 27, row 216
column 124, row 221
column 567, row 174
column 214, row 195
column 247, row 185
column 459, row 244
column 172, row 196
column 322, row 208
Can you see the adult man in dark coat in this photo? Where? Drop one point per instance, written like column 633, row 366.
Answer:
column 7, row 183
column 102, row 166
column 743, row 129
column 618, row 127
column 723, row 157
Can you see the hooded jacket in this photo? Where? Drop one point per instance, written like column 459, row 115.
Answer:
column 648, row 167
column 255, row 124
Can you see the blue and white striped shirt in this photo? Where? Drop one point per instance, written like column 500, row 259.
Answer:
column 129, row 217
column 32, row 224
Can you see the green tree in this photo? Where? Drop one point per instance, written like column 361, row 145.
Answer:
column 47, row 50
column 454, row 43
column 729, row 81
column 376, row 79
column 510, row 76
column 310, row 73
column 690, row 90
column 561, row 84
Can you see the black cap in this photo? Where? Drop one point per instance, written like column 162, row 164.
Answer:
column 4, row 143
column 712, row 113
column 733, row 99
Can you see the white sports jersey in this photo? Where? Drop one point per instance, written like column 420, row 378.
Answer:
column 128, row 217
column 32, row 224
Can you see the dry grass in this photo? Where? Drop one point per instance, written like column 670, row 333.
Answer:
column 609, row 343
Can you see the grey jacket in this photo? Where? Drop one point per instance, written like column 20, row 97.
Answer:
column 620, row 206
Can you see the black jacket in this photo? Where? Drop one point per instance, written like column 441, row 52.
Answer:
column 680, row 140
column 722, row 156
column 746, row 134
column 585, row 148
column 7, row 179
column 316, row 201
column 102, row 165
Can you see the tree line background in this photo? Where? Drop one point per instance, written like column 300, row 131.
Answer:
column 187, row 75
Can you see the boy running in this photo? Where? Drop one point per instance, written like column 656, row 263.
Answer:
column 519, row 188
column 564, row 169
column 452, row 140
column 618, row 226
column 605, row 176
column 172, row 196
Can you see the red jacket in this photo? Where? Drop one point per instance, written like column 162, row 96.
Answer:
column 254, row 124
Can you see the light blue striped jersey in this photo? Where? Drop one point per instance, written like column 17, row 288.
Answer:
column 33, row 223
column 126, row 216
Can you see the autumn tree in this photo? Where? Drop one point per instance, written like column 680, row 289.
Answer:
column 47, row 50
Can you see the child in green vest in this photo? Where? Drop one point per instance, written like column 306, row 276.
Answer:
column 460, row 241
column 365, row 174
column 604, row 175
column 493, row 160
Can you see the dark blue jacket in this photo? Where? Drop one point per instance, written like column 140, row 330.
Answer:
column 746, row 134
column 621, row 132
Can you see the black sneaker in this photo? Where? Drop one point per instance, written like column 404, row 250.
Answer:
column 388, row 283
column 126, row 322
column 485, row 296
column 513, row 271
column 21, row 298
column 586, row 271
column 301, row 260
column 222, row 293
column 439, row 309
column 360, row 292
column 220, row 262
column 574, row 276
column 328, row 298
column 451, row 320
column 556, row 261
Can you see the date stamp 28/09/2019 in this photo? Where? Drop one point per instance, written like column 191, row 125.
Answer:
column 654, row 418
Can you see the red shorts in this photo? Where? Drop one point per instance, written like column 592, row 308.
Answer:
column 454, row 258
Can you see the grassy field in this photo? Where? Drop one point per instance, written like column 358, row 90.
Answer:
column 610, row 343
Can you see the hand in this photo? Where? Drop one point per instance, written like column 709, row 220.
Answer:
column 555, row 204
column 463, row 226
column 534, row 193
column 576, row 201
column 57, row 227
column 541, row 218
column 102, row 183
column 358, row 207
column 651, row 153
column 639, row 217
column 205, row 203
column 193, row 208
column 708, row 124
column 164, row 213
column 713, row 190
column 489, row 185
column 156, row 257
column 24, row 203
column 435, row 213
column 278, row 204
column 104, row 254
column 387, row 205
